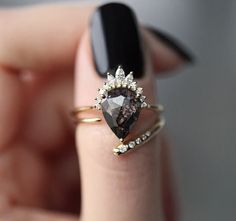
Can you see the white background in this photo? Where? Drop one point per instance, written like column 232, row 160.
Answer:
column 200, row 102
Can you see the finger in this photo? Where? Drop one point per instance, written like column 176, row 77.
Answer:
column 21, row 214
column 47, row 124
column 168, row 188
column 125, row 188
column 167, row 52
column 24, row 42
column 42, row 38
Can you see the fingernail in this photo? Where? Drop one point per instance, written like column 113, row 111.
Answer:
column 115, row 40
column 173, row 44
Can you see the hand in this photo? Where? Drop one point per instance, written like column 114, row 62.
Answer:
column 40, row 171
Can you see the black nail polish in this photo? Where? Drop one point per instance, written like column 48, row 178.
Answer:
column 172, row 43
column 115, row 40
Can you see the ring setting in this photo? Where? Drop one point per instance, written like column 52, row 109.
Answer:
column 121, row 100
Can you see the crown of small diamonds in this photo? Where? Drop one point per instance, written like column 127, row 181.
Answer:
column 119, row 81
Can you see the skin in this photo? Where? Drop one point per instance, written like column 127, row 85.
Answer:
column 45, row 68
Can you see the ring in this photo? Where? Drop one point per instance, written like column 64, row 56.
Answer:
column 121, row 102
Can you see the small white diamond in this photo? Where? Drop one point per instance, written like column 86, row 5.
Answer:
column 98, row 100
column 144, row 104
column 148, row 133
column 110, row 77
column 102, row 91
column 111, row 84
column 98, row 106
column 142, row 98
column 129, row 78
column 120, row 74
column 138, row 141
column 124, row 84
column 131, row 144
column 106, row 86
column 116, row 150
column 133, row 86
column 139, row 90
column 123, row 148
column 144, row 137
column 98, row 103
column 118, row 83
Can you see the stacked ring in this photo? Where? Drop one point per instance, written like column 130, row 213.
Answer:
column 121, row 102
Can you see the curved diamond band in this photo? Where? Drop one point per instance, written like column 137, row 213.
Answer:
column 133, row 143
column 121, row 101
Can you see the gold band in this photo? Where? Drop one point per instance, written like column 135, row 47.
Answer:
column 125, row 146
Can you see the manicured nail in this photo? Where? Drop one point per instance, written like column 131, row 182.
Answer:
column 115, row 40
column 172, row 43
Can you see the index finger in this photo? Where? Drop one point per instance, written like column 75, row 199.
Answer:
column 126, row 187
column 42, row 38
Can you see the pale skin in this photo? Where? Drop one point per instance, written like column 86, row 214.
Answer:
column 45, row 67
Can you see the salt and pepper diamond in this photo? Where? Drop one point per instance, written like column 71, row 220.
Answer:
column 121, row 101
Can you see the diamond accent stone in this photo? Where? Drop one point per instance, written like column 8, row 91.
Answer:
column 138, row 140
column 133, row 86
column 121, row 109
column 129, row 78
column 110, row 77
column 118, row 83
column 142, row 98
column 106, row 86
column 120, row 74
column 124, row 83
column 144, row 104
column 116, row 150
column 98, row 104
column 102, row 92
column 131, row 144
column 98, row 100
column 144, row 137
column 139, row 90
column 148, row 133
column 123, row 148
column 111, row 84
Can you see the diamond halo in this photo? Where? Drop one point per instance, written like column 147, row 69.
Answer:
column 119, row 81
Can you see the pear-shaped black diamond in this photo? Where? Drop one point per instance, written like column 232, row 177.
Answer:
column 121, row 109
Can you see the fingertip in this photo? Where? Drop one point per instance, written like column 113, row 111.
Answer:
column 167, row 54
